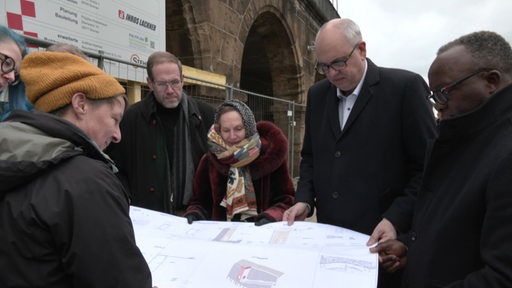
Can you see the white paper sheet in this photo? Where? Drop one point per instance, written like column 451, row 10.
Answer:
column 236, row 254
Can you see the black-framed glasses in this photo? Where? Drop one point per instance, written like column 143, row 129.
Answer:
column 440, row 96
column 337, row 64
column 8, row 64
column 162, row 85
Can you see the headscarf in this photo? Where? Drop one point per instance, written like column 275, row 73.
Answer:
column 240, row 198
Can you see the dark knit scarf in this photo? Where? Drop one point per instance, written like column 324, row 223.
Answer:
column 182, row 164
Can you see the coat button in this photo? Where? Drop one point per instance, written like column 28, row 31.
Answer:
column 153, row 121
column 337, row 154
column 413, row 236
column 153, row 156
column 335, row 195
column 151, row 189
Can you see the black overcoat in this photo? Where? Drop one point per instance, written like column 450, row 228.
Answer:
column 462, row 226
column 142, row 158
column 64, row 215
column 373, row 167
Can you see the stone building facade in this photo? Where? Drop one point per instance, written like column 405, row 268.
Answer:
column 263, row 46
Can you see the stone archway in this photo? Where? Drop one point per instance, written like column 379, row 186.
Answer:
column 179, row 40
column 270, row 62
column 269, row 66
column 258, row 63
column 259, row 45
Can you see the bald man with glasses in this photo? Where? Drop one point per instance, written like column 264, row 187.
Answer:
column 366, row 132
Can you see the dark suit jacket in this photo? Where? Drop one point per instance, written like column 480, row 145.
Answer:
column 372, row 168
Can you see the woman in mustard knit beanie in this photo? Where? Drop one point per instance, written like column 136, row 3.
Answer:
column 65, row 220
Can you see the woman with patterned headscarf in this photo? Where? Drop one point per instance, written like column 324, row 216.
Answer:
column 244, row 176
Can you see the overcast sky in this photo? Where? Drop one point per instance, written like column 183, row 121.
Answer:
column 407, row 33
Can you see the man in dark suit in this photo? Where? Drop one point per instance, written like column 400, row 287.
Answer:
column 365, row 139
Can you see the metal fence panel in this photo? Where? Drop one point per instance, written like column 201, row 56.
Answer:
column 279, row 111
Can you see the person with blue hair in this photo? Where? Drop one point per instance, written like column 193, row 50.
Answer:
column 12, row 89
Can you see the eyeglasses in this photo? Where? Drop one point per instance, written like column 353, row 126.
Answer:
column 440, row 96
column 162, row 85
column 8, row 64
column 337, row 64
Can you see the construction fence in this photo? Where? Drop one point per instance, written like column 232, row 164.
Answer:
column 279, row 111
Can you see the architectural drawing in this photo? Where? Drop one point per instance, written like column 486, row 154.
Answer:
column 248, row 274
column 242, row 255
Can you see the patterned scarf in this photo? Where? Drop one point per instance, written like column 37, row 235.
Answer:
column 240, row 197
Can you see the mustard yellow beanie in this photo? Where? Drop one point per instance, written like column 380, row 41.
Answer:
column 52, row 78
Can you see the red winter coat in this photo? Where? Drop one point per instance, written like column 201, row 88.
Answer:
column 273, row 185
